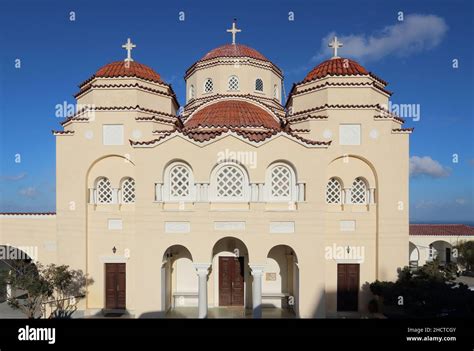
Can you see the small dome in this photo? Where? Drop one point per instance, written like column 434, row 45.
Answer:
column 336, row 67
column 128, row 69
column 234, row 50
column 232, row 113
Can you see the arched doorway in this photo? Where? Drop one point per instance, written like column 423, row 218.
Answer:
column 414, row 255
column 281, row 279
column 229, row 278
column 179, row 281
column 441, row 250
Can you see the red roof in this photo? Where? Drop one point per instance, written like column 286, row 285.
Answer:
column 234, row 50
column 128, row 69
column 336, row 66
column 441, row 229
column 232, row 113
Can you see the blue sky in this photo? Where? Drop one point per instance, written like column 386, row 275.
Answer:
column 414, row 56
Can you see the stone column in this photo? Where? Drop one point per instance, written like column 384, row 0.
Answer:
column 257, row 272
column 202, row 270
column 372, row 196
column 347, row 196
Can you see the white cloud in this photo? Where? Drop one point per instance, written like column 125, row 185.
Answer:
column 29, row 192
column 14, row 178
column 427, row 166
column 413, row 35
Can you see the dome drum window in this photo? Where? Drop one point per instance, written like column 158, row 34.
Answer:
column 191, row 93
column 233, row 83
column 208, row 85
column 275, row 92
column 259, row 85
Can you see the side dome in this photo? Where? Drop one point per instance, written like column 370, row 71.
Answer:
column 234, row 50
column 122, row 69
column 336, row 67
column 232, row 113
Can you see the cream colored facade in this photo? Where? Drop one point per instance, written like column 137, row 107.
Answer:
column 291, row 245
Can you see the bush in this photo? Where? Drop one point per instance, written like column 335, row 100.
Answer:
column 426, row 292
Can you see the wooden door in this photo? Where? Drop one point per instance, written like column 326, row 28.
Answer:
column 115, row 282
column 231, row 281
column 347, row 287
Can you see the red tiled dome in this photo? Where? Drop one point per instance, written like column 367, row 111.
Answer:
column 234, row 50
column 130, row 69
column 232, row 113
column 336, row 67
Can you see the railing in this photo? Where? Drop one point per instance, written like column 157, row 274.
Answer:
column 255, row 192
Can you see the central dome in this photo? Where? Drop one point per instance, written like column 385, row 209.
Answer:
column 234, row 50
column 232, row 113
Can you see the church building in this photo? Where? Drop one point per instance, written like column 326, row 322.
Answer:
column 236, row 198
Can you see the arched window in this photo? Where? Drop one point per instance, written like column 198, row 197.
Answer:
column 191, row 92
column 179, row 182
column 104, row 191
column 128, row 191
column 208, row 85
column 281, row 180
column 359, row 191
column 233, row 83
column 229, row 182
column 333, row 191
column 259, row 85
column 275, row 91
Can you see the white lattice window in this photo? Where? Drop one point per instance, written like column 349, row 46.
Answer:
column 281, row 183
column 230, row 183
column 333, row 191
column 128, row 191
column 208, row 85
column 359, row 191
column 180, row 184
column 259, row 85
column 104, row 191
column 233, row 83
column 275, row 91
column 191, row 92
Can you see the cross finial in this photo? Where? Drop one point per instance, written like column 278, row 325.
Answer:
column 129, row 46
column 234, row 31
column 335, row 44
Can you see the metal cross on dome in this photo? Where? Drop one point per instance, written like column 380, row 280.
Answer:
column 335, row 44
column 234, row 31
column 129, row 46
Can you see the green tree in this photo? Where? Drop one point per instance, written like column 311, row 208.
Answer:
column 425, row 292
column 465, row 254
column 24, row 278
column 68, row 286
column 58, row 287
